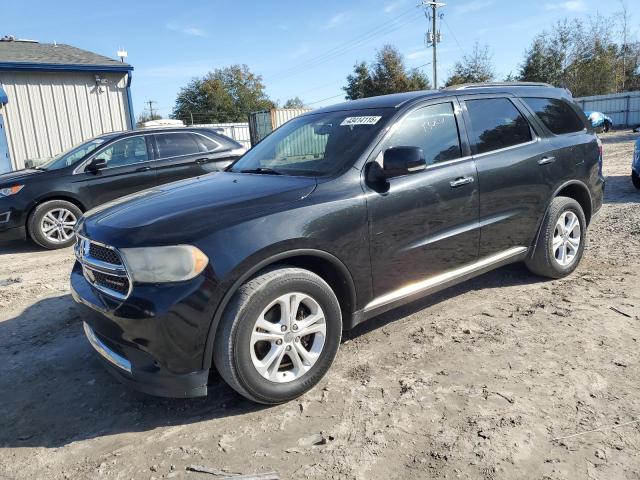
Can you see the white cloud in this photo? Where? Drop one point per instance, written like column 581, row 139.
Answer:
column 187, row 30
column 417, row 54
column 571, row 6
column 336, row 20
column 473, row 6
column 390, row 7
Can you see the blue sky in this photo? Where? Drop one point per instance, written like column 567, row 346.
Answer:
column 300, row 48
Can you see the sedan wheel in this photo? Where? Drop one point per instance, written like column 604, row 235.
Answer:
column 57, row 225
column 51, row 224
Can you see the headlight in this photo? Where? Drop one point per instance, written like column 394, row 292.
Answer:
column 164, row 264
column 7, row 192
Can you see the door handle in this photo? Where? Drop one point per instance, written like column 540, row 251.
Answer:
column 458, row 182
column 143, row 169
column 546, row 160
column 201, row 161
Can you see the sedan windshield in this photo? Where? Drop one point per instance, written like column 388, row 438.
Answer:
column 318, row 145
column 70, row 157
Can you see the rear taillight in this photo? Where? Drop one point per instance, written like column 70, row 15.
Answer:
column 600, row 155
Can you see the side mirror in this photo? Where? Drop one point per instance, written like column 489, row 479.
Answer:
column 96, row 164
column 398, row 161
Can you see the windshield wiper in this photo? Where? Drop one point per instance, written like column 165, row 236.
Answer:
column 261, row 170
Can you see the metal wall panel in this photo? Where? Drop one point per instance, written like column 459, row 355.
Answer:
column 623, row 108
column 263, row 123
column 50, row 112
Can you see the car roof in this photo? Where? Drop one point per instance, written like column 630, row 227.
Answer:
column 397, row 100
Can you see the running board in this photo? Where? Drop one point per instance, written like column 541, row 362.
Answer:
column 441, row 281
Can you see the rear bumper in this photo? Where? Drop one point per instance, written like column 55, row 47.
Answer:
column 146, row 349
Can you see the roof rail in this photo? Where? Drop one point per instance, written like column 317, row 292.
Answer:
column 498, row 84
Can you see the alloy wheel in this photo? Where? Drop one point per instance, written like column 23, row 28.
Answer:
column 566, row 238
column 288, row 337
column 57, row 225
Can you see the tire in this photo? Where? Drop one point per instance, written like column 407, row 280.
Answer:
column 607, row 126
column 236, row 356
column 635, row 178
column 546, row 259
column 43, row 217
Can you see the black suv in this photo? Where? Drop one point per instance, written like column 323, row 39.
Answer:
column 337, row 216
column 46, row 201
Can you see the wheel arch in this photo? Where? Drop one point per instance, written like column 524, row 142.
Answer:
column 573, row 189
column 324, row 264
column 580, row 193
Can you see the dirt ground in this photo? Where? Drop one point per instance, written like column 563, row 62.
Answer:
column 506, row 376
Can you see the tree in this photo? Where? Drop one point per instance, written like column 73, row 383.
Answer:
column 583, row 56
column 388, row 74
column 146, row 117
column 475, row 67
column 224, row 95
column 294, row 102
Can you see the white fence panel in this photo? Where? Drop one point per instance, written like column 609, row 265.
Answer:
column 238, row 131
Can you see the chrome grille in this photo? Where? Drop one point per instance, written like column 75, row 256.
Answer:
column 104, row 254
column 103, row 268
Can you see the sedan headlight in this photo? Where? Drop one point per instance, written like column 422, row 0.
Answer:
column 8, row 191
column 164, row 264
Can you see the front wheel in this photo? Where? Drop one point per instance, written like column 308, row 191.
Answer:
column 561, row 240
column 635, row 178
column 279, row 335
column 51, row 224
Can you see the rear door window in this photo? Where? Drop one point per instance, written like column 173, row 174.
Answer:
column 496, row 123
column 433, row 128
column 556, row 114
column 176, row 144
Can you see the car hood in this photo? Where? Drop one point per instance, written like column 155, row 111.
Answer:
column 189, row 210
column 19, row 175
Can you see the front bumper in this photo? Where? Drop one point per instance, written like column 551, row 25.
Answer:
column 153, row 341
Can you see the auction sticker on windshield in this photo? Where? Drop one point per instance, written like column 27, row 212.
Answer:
column 368, row 120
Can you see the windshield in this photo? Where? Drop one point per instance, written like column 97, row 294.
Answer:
column 70, row 157
column 320, row 144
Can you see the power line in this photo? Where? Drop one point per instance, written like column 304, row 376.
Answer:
column 324, row 99
column 340, row 50
column 455, row 39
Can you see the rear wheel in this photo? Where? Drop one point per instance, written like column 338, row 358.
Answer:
column 279, row 335
column 607, row 126
column 561, row 240
column 51, row 224
column 635, row 178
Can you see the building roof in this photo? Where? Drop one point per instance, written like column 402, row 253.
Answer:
column 30, row 55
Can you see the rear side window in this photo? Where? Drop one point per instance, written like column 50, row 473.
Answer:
column 556, row 115
column 176, row 144
column 496, row 123
column 208, row 145
column 434, row 129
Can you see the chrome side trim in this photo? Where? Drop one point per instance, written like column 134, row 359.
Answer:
column 108, row 354
column 436, row 280
column 536, row 139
